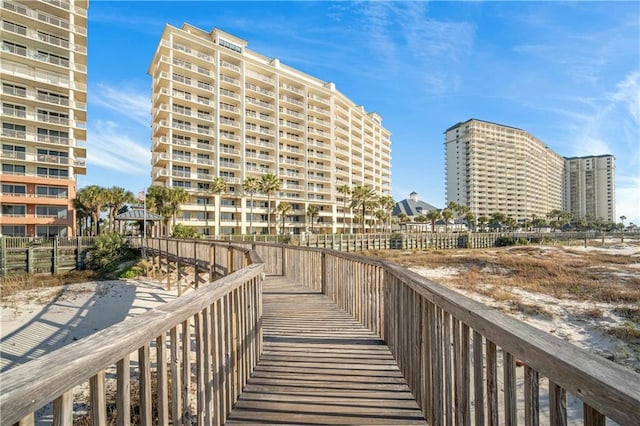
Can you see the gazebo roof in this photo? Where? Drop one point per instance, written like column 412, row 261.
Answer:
column 138, row 213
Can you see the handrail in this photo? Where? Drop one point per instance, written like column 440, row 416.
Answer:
column 439, row 336
column 227, row 316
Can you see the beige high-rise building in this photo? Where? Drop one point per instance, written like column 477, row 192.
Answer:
column 494, row 168
column 222, row 110
column 43, row 72
column 589, row 187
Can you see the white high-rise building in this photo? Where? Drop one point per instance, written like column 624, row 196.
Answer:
column 589, row 187
column 222, row 110
column 495, row 168
column 43, row 72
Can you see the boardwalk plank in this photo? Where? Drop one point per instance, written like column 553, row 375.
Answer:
column 320, row 366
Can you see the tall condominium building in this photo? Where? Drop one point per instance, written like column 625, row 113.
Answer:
column 494, row 168
column 589, row 187
column 43, row 71
column 222, row 110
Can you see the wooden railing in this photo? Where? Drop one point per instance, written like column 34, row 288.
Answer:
column 188, row 359
column 466, row 362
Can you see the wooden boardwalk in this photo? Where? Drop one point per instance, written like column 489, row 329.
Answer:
column 320, row 366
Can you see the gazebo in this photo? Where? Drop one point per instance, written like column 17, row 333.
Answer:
column 138, row 214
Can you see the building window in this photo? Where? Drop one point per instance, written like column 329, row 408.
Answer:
column 51, row 231
column 14, row 230
column 13, row 169
column 51, row 211
column 9, row 189
column 14, row 210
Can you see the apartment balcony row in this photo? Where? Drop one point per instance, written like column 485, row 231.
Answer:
column 45, row 38
column 258, row 89
column 40, row 75
column 42, row 158
column 40, row 138
column 163, row 91
column 163, row 109
column 183, row 127
column 47, row 18
column 291, row 88
column 291, row 112
column 259, row 129
column 181, row 142
column 51, row 177
column 186, row 81
column 166, row 157
column 41, row 97
column 178, row 47
column 43, row 57
column 260, row 77
column 34, row 199
column 42, row 118
column 260, row 116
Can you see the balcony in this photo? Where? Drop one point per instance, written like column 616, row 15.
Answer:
column 40, row 75
column 45, row 17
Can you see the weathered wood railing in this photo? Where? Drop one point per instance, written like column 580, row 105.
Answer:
column 207, row 342
column 460, row 357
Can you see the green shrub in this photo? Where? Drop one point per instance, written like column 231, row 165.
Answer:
column 107, row 251
column 184, row 231
column 522, row 242
column 505, row 241
column 129, row 273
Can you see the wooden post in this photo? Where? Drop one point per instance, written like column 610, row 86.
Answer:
column 212, row 262
column 229, row 259
column 323, row 272
column 3, row 256
column 178, row 283
column 30, row 260
column 54, row 259
column 78, row 259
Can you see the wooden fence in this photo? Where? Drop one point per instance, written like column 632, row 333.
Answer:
column 208, row 340
column 460, row 357
column 34, row 256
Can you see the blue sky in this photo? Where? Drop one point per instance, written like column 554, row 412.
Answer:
column 568, row 73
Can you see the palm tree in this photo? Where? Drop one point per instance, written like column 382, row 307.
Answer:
column 381, row 217
column 433, row 216
column 345, row 190
column 363, row 197
column 93, row 200
column 219, row 186
column 482, row 221
column 470, row 218
column 285, row 210
column 269, row 184
column 157, row 200
column 312, row 212
column 115, row 198
column 177, row 197
column 447, row 215
column 498, row 219
column 387, row 204
column 251, row 185
column 82, row 217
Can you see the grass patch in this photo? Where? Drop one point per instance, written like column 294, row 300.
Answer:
column 13, row 284
column 627, row 332
column 628, row 313
column 577, row 275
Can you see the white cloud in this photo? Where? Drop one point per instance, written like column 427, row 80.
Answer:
column 110, row 148
column 126, row 101
column 628, row 94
